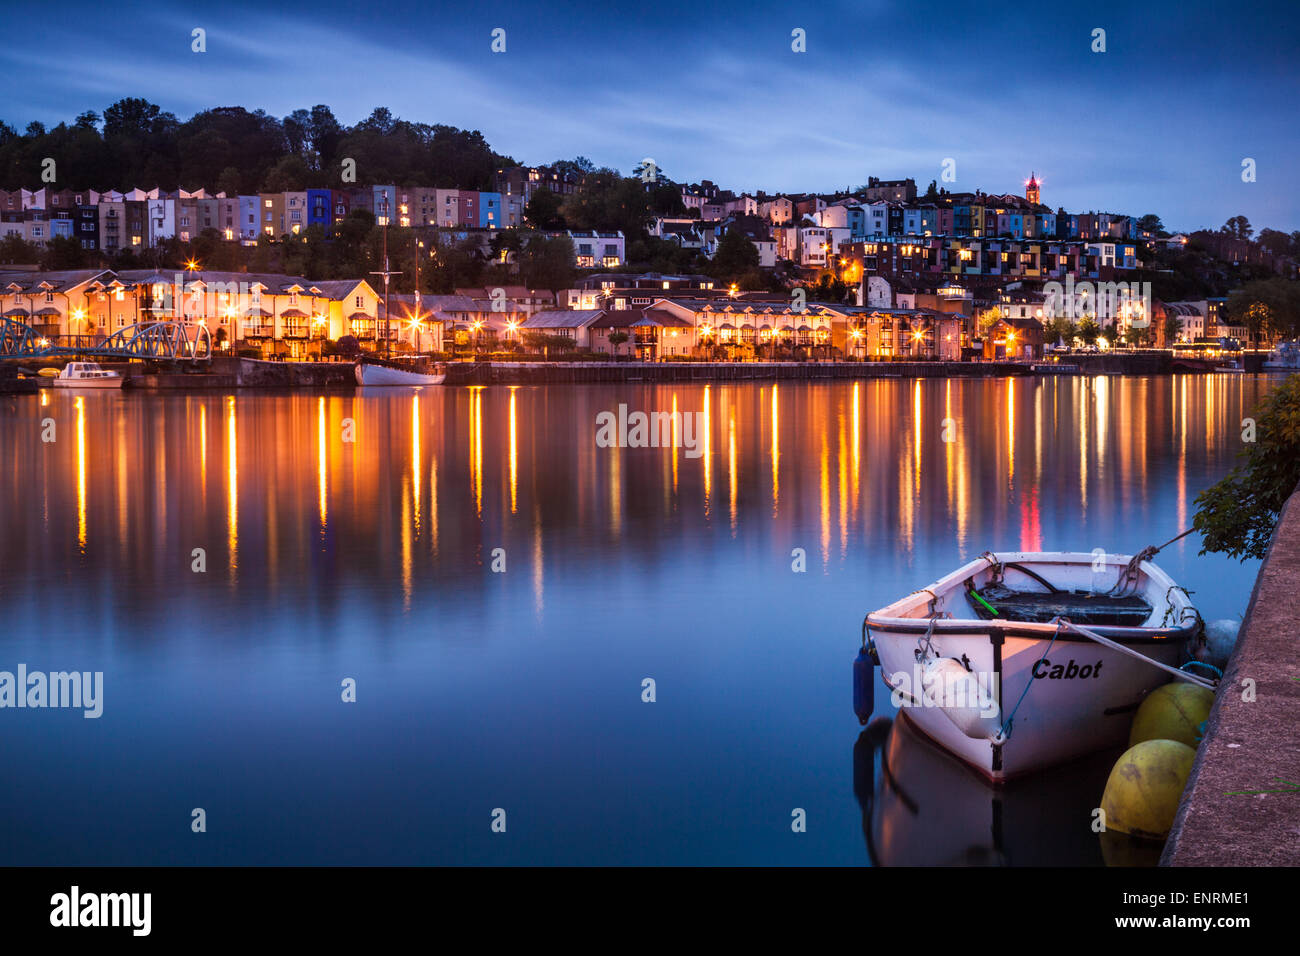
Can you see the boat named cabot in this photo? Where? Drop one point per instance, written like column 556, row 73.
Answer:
column 1046, row 669
column 83, row 690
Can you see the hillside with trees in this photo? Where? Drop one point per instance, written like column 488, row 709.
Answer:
column 228, row 148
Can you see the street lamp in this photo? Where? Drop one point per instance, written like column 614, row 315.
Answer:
column 318, row 323
column 78, row 317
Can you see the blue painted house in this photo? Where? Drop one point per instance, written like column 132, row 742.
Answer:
column 319, row 212
column 248, row 228
column 489, row 210
column 961, row 220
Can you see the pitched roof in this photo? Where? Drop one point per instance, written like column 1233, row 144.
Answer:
column 449, row 303
column 563, row 319
column 60, row 281
column 338, row 288
column 511, row 291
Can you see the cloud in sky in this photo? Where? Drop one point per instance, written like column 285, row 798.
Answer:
column 1160, row 122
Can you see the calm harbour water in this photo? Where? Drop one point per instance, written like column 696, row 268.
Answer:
column 522, row 690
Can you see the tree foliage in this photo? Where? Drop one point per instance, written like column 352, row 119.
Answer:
column 1267, row 307
column 734, row 257
column 236, row 150
column 1237, row 515
column 548, row 263
column 1088, row 330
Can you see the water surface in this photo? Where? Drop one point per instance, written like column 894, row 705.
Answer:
column 371, row 559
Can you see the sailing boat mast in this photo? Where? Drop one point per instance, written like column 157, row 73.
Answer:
column 386, row 274
column 418, row 319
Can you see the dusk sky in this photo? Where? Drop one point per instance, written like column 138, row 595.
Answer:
column 1159, row 123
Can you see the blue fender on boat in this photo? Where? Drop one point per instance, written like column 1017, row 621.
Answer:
column 864, row 685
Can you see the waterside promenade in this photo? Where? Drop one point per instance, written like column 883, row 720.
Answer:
column 232, row 372
column 1242, row 803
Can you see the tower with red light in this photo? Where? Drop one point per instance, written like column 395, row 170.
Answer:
column 1032, row 190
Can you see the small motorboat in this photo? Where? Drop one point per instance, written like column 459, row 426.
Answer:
column 373, row 372
column 1056, row 368
column 85, row 375
column 1017, row 661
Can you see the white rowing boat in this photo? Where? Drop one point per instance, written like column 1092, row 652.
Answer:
column 984, row 662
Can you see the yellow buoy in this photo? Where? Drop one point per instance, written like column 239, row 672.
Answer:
column 1145, row 786
column 1172, row 712
column 48, row 373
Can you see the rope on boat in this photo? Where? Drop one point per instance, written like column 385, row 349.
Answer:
column 1169, row 608
column 933, row 597
column 924, row 646
column 1124, row 649
column 1129, row 577
column 1008, row 725
column 1004, row 734
column 1202, row 664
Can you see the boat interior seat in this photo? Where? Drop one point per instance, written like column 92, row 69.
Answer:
column 999, row 602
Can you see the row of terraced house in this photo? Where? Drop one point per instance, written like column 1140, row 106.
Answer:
column 272, row 316
column 110, row 220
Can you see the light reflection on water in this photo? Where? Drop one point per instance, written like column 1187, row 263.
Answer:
column 372, row 558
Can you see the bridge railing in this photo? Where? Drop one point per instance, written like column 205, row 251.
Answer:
column 160, row 341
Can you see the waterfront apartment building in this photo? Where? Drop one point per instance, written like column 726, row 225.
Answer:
column 672, row 327
column 269, row 315
column 876, row 333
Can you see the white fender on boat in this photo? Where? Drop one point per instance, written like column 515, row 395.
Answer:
column 957, row 692
column 1220, row 638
